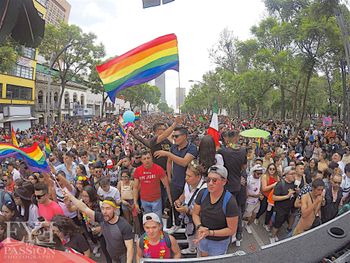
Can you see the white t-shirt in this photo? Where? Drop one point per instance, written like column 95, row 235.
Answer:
column 16, row 175
column 345, row 185
column 188, row 192
column 253, row 188
column 113, row 192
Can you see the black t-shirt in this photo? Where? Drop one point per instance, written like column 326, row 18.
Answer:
column 78, row 242
column 212, row 215
column 115, row 235
column 234, row 159
column 281, row 189
column 164, row 146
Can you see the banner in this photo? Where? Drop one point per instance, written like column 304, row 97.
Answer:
column 327, row 121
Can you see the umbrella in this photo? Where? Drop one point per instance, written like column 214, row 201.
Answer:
column 255, row 133
column 19, row 252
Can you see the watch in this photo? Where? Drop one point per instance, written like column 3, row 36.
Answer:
column 197, row 227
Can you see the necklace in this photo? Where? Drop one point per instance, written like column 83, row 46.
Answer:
column 162, row 244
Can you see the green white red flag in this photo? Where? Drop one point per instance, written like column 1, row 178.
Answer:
column 213, row 129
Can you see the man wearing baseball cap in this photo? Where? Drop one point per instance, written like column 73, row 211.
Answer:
column 155, row 243
column 215, row 214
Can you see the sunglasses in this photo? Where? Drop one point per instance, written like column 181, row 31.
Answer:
column 137, row 157
column 214, row 180
column 339, row 183
column 39, row 196
column 175, row 136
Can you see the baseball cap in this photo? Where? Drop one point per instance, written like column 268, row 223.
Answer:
column 218, row 169
column 299, row 157
column 257, row 167
column 150, row 217
column 109, row 164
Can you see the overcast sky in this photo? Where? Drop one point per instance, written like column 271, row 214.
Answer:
column 123, row 24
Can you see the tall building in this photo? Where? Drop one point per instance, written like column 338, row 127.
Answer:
column 57, row 10
column 160, row 83
column 18, row 85
column 180, row 97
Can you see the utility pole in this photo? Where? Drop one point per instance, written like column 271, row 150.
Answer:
column 345, row 34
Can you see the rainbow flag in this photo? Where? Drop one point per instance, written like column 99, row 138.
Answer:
column 137, row 115
column 139, row 65
column 47, row 146
column 32, row 155
column 14, row 139
column 108, row 128
column 121, row 127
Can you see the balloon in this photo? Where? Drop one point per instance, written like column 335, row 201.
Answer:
column 128, row 116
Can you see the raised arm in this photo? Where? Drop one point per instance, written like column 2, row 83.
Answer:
column 168, row 131
column 139, row 138
column 80, row 205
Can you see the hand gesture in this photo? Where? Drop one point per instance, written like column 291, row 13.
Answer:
column 291, row 192
column 159, row 154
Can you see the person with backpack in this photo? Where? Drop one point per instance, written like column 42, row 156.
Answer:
column 215, row 214
column 155, row 243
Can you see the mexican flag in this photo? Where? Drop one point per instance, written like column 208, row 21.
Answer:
column 213, row 130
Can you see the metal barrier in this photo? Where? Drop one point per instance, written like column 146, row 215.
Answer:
column 311, row 246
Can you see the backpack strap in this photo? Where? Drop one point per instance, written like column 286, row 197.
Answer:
column 227, row 198
column 141, row 241
column 205, row 193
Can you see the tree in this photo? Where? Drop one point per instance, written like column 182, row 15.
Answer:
column 96, row 86
column 164, row 108
column 79, row 53
column 141, row 94
column 8, row 55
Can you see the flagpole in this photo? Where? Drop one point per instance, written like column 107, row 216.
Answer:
column 178, row 74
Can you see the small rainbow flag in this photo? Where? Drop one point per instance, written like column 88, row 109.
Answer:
column 32, row 155
column 108, row 128
column 137, row 115
column 14, row 139
column 47, row 146
column 139, row 65
column 121, row 127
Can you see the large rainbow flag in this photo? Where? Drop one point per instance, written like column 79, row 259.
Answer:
column 139, row 65
column 32, row 155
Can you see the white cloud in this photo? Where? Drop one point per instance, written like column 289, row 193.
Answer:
column 122, row 25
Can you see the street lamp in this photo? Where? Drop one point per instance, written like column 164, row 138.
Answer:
column 203, row 84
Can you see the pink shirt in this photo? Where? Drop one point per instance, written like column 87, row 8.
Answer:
column 50, row 210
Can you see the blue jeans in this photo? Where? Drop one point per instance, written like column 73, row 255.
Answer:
column 153, row 207
column 214, row 248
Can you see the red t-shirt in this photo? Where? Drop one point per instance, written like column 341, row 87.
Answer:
column 50, row 210
column 149, row 181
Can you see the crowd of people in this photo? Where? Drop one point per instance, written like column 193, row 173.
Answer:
column 127, row 196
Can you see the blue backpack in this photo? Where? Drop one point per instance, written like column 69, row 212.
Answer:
column 227, row 198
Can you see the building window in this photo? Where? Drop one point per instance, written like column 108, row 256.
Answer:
column 22, row 71
column 28, row 52
column 40, row 97
column 55, row 97
column 14, row 92
column 82, row 102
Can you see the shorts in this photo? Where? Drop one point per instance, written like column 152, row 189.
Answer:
column 214, row 247
column 250, row 209
column 280, row 218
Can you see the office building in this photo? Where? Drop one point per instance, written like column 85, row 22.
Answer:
column 180, row 97
column 18, row 85
column 57, row 11
column 160, row 83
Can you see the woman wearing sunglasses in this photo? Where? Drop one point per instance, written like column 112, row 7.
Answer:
column 12, row 217
column 268, row 182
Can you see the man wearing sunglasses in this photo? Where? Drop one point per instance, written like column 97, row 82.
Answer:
column 215, row 214
column 46, row 207
column 180, row 155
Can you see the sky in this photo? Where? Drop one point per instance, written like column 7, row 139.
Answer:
column 123, row 24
